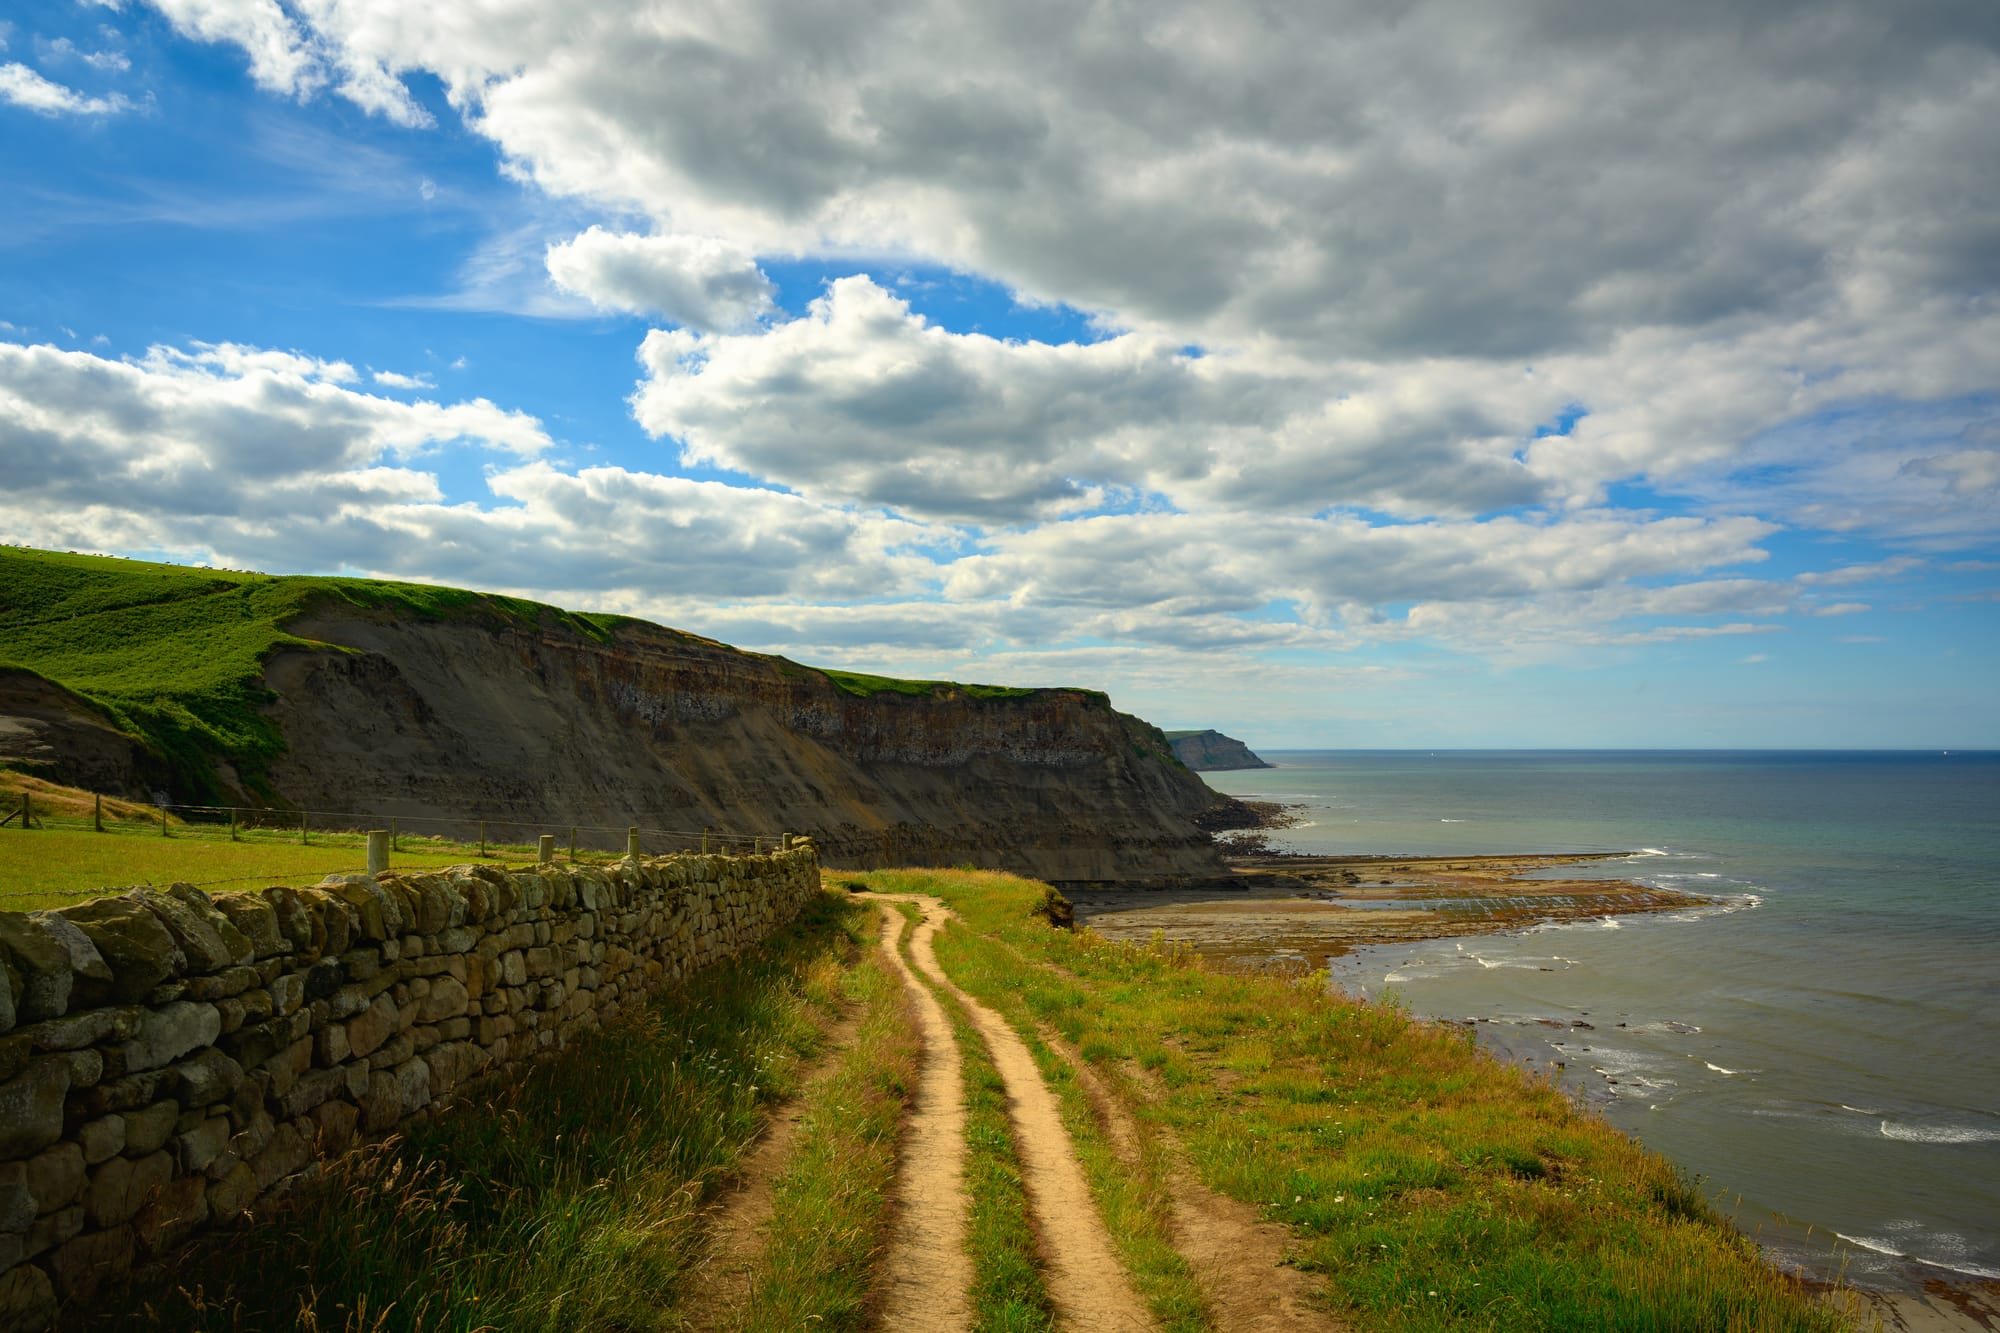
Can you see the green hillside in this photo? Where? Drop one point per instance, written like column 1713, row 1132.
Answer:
column 175, row 654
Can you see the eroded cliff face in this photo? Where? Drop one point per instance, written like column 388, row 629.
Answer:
column 474, row 720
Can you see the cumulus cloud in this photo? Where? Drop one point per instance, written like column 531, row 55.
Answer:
column 699, row 282
column 865, row 400
column 264, row 459
column 1375, row 181
column 23, row 87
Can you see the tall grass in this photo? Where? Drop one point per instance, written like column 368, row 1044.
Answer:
column 1432, row 1186
column 830, row 1201
column 571, row 1200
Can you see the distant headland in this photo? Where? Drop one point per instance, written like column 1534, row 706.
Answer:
column 1211, row 751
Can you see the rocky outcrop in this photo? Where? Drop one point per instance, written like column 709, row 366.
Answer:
column 1211, row 751
column 167, row 1059
column 56, row 734
column 483, row 718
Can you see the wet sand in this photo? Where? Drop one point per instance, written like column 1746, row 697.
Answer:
column 1293, row 910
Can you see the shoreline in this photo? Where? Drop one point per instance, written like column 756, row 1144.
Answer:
column 1299, row 913
column 1310, row 909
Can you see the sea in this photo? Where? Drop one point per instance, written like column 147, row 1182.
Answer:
column 1820, row 1048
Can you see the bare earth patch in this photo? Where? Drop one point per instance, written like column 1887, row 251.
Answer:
column 1086, row 1282
column 926, row 1277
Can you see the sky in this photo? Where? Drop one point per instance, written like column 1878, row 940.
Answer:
column 1556, row 373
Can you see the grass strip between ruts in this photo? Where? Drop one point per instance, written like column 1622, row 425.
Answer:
column 1009, row 1293
column 567, row 1199
column 1434, row 1187
column 1131, row 1198
column 830, row 1201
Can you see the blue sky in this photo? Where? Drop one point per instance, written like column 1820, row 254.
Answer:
column 1328, row 381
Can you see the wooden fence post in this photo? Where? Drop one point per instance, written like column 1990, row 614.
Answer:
column 97, row 812
column 482, row 837
column 632, row 842
column 232, row 823
column 302, row 828
column 547, row 851
column 572, row 844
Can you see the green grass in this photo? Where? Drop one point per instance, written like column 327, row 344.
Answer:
column 865, row 686
column 1433, row 1187
column 51, row 867
column 830, row 1201
column 174, row 655
column 570, row 1201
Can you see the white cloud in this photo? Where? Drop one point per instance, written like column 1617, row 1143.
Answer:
column 23, row 87
column 107, row 61
column 396, row 380
column 697, row 281
column 262, row 459
column 864, row 400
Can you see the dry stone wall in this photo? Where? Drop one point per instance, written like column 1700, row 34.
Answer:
column 168, row 1058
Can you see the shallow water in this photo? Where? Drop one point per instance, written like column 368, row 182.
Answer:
column 1823, row 1045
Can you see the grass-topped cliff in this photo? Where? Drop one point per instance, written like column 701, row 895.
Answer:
column 174, row 655
column 395, row 699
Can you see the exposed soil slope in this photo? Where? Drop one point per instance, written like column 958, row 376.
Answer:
column 460, row 716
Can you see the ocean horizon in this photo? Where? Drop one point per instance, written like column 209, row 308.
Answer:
column 1819, row 1047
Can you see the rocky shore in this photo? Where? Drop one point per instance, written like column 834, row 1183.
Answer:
column 1307, row 909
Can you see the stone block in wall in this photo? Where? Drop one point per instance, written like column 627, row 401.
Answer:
column 31, row 1106
column 119, row 1187
column 147, row 1130
column 198, row 1148
column 27, row 1300
column 372, row 1026
column 55, row 1177
column 133, row 943
column 171, row 1214
column 207, row 939
column 169, row 1032
column 38, row 971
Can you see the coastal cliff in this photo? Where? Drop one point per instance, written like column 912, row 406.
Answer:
column 1212, row 752
column 396, row 700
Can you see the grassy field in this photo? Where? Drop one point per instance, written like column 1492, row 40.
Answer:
column 47, row 867
column 1435, row 1188
column 573, row 1199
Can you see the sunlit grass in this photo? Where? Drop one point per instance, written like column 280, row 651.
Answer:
column 51, row 867
column 570, row 1199
column 1432, row 1186
column 830, row 1201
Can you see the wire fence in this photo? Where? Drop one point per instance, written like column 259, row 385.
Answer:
column 431, row 839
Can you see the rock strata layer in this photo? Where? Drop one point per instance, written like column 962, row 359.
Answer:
column 445, row 719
